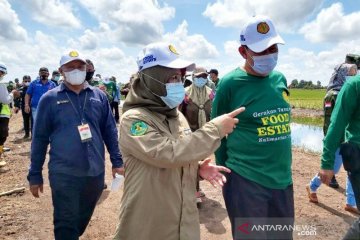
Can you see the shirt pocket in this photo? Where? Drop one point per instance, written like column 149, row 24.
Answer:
column 94, row 109
column 68, row 115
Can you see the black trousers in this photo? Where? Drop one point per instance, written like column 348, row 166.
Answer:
column 74, row 200
column 4, row 129
column 115, row 110
column 246, row 201
column 27, row 121
column 354, row 230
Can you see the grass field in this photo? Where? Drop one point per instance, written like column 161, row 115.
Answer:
column 307, row 98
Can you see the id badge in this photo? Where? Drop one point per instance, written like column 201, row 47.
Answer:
column 85, row 133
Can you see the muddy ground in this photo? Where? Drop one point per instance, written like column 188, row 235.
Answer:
column 24, row 217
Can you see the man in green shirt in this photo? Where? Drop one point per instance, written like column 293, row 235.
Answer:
column 345, row 118
column 258, row 152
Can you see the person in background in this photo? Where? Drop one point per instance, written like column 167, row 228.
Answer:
column 345, row 118
column 55, row 77
column 20, row 104
column 34, row 92
column 341, row 73
column 196, row 108
column 258, row 152
column 126, row 88
column 76, row 121
column 116, row 100
column 108, row 87
column 163, row 157
column 17, row 84
column 5, row 99
column 90, row 70
column 214, row 77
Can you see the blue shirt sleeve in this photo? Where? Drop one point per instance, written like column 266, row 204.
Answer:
column 40, row 140
column 110, row 136
column 30, row 89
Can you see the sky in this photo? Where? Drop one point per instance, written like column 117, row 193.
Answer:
column 35, row 33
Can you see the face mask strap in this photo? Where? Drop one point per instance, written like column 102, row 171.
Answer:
column 148, row 87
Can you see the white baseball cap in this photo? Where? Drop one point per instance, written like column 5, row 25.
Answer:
column 71, row 56
column 3, row 68
column 259, row 34
column 162, row 54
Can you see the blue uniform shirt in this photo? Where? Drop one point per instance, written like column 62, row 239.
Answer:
column 37, row 89
column 57, row 125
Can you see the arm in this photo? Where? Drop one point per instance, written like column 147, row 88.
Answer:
column 345, row 106
column 5, row 97
column 161, row 151
column 40, row 141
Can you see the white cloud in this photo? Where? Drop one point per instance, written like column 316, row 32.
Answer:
column 308, row 65
column 235, row 13
column 88, row 41
column 132, row 21
column 53, row 13
column 10, row 23
column 331, row 25
column 231, row 48
column 194, row 46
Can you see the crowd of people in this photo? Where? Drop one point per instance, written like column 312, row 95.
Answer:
column 170, row 124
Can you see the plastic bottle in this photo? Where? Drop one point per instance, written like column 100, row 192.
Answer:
column 117, row 182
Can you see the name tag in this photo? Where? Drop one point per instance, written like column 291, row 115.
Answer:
column 85, row 133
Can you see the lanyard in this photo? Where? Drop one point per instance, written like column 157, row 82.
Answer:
column 83, row 110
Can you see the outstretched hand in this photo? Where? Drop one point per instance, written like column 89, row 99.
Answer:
column 212, row 173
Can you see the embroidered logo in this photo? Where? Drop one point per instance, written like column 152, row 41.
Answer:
column 138, row 128
column 263, row 28
column 173, row 50
column 73, row 54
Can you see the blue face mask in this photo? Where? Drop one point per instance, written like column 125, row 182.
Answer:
column 175, row 94
column 264, row 64
column 200, row 82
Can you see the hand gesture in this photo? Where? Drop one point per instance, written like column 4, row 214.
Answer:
column 212, row 173
column 227, row 122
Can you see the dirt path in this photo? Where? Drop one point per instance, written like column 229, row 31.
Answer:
column 24, row 217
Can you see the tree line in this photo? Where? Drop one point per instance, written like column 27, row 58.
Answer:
column 305, row 84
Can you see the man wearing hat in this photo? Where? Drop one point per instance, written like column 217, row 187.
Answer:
column 214, row 79
column 259, row 151
column 55, row 77
column 36, row 89
column 76, row 121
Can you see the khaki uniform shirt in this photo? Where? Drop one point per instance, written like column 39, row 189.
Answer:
column 161, row 166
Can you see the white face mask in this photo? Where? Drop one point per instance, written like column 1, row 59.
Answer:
column 75, row 77
column 27, row 84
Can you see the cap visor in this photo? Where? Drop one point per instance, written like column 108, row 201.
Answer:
column 74, row 59
column 266, row 43
column 179, row 64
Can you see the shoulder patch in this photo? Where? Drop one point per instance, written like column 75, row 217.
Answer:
column 138, row 128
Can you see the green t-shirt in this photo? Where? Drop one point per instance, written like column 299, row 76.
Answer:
column 344, row 118
column 109, row 87
column 259, row 149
